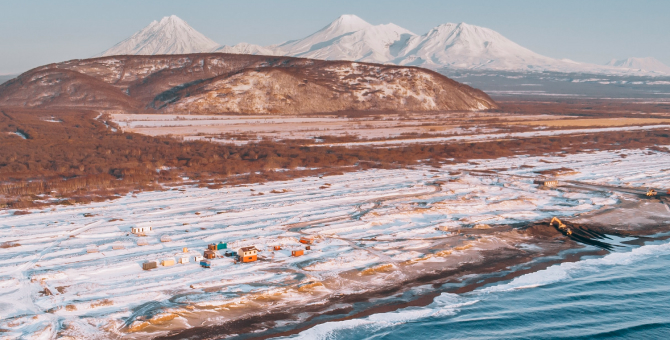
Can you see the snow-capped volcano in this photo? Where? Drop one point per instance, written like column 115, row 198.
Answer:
column 466, row 46
column 370, row 44
column 345, row 24
column 170, row 35
column 454, row 46
column 646, row 64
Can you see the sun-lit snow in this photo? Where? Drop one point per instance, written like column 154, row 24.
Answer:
column 170, row 35
column 450, row 45
column 370, row 221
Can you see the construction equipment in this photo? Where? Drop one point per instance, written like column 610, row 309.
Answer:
column 651, row 192
column 561, row 227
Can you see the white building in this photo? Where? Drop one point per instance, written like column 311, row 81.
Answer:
column 140, row 230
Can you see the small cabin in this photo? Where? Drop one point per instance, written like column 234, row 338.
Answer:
column 142, row 242
column 167, row 263
column 221, row 245
column 117, row 246
column 248, row 254
column 92, row 249
column 197, row 258
column 166, row 238
column 306, row 240
column 209, row 254
column 149, row 265
column 182, row 260
column 297, row 253
column 140, row 230
column 212, row 247
column 547, row 183
column 308, row 247
column 277, row 247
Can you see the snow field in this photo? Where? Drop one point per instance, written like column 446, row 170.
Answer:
column 371, row 223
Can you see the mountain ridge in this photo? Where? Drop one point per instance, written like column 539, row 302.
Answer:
column 221, row 83
column 451, row 46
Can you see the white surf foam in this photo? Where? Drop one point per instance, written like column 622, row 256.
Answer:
column 445, row 304
column 449, row 304
column 568, row 270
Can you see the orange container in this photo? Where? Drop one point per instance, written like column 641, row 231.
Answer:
column 277, row 247
column 251, row 258
column 297, row 253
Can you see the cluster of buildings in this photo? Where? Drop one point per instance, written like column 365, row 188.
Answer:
column 242, row 255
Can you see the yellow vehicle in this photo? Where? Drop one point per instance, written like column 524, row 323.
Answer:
column 562, row 227
column 651, row 192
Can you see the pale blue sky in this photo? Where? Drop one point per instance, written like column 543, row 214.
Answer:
column 34, row 33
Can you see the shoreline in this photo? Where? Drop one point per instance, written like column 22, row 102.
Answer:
column 427, row 299
column 481, row 274
column 400, row 246
column 496, row 261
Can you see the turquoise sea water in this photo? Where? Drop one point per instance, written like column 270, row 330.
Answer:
column 622, row 295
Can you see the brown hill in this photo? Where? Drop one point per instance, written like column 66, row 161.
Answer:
column 216, row 83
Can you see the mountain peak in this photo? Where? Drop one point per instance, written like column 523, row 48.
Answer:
column 172, row 20
column 170, row 35
column 351, row 21
column 346, row 23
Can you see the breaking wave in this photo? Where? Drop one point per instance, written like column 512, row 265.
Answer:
column 567, row 270
column 520, row 301
column 444, row 305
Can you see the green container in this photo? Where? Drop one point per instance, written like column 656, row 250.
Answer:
column 221, row 245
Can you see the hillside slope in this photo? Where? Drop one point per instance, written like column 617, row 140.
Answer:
column 218, row 83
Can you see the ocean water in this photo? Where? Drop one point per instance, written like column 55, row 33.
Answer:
column 622, row 295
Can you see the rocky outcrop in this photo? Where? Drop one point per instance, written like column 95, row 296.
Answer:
column 221, row 83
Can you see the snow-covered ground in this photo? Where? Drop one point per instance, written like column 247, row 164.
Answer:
column 364, row 221
column 493, row 136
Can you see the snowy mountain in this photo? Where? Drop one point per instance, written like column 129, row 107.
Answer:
column 466, row 46
column 244, row 48
column 170, row 35
column 453, row 46
column 645, row 64
column 348, row 38
column 345, row 24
